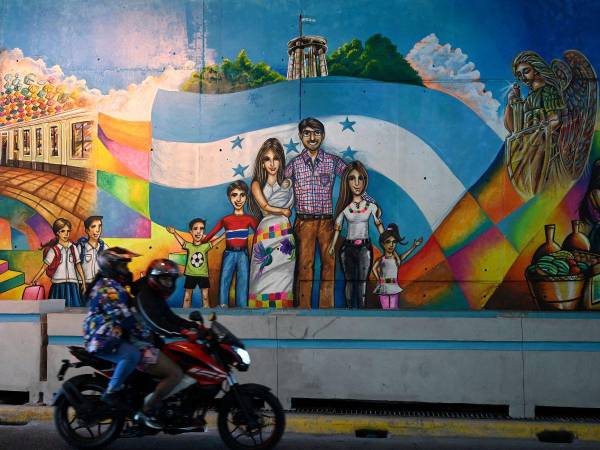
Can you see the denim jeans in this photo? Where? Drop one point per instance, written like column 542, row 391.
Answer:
column 238, row 263
column 126, row 357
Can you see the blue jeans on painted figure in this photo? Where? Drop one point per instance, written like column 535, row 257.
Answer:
column 234, row 262
column 126, row 357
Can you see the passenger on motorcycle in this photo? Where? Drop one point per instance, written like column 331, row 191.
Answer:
column 151, row 294
column 110, row 322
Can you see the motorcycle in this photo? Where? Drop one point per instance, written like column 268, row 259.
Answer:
column 249, row 416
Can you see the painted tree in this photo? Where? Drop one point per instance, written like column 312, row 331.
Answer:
column 379, row 59
column 232, row 76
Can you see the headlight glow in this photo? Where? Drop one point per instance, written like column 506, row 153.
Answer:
column 243, row 354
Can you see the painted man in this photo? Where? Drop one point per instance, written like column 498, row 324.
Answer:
column 313, row 172
column 89, row 246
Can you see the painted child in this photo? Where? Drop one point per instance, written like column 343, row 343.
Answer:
column 63, row 265
column 235, row 257
column 89, row 246
column 196, row 265
column 386, row 267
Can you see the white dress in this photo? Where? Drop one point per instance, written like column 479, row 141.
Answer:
column 388, row 281
column 274, row 253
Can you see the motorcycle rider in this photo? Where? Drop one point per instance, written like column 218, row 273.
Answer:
column 110, row 322
column 151, row 294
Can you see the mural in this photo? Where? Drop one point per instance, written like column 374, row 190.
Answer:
column 367, row 160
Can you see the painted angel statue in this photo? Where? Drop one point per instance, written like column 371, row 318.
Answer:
column 551, row 130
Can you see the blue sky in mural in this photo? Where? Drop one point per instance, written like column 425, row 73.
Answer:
column 113, row 43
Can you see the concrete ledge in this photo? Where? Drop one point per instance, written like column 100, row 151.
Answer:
column 397, row 426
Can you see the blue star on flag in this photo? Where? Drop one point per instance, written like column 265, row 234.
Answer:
column 237, row 142
column 348, row 153
column 347, row 124
column 291, row 147
column 239, row 170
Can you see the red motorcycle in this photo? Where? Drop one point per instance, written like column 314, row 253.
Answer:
column 249, row 415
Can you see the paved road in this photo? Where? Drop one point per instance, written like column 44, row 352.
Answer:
column 41, row 436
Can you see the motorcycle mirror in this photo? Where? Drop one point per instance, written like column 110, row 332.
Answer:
column 212, row 317
column 196, row 316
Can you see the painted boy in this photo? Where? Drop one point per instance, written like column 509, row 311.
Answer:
column 89, row 246
column 235, row 257
column 196, row 265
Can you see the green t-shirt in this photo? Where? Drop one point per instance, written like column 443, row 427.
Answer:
column 197, row 261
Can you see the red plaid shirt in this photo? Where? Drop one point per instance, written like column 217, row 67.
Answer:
column 313, row 182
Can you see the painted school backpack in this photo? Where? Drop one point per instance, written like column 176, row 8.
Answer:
column 51, row 269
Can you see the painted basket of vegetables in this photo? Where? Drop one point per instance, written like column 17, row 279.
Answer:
column 557, row 280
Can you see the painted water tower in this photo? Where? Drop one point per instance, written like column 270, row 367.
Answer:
column 307, row 55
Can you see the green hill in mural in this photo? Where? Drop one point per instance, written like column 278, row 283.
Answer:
column 232, row 76
column 379, row 59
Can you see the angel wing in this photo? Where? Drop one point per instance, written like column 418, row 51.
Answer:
column 578, row 119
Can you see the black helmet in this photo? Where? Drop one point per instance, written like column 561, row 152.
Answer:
column 112, row 263
column 162, row 274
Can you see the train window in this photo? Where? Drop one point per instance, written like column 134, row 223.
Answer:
column 38, row 142
column 54, row 140
column 81, row 139
column 26, row 142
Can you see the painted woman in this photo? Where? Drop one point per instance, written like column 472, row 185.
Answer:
column 356, row 252
column 62, row 265
column 273, row 253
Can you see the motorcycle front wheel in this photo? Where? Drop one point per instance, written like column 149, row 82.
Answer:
column 78, row 432
column 269, row 418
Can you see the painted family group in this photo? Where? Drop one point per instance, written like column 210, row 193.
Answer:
column 279, row 271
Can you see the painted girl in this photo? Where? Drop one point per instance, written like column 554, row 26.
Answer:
column 386, row 267
column 356, row 252
column 63, row 265
column 273, row 253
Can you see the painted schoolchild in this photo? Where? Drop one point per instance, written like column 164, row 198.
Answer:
column 196, row 265
column 386, row 267
column 62, row 265
column 89, row 246
column 235, row 257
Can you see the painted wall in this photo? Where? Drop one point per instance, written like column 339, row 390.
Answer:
column 475, row 123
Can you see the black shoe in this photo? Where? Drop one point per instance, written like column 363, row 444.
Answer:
column 113, row 399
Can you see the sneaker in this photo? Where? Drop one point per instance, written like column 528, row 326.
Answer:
column 223, row 305
column 113, row 399
column 148, row 420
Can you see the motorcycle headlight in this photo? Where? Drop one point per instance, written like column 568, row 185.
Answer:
column 244, row 357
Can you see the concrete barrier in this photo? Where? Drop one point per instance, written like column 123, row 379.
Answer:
column 521, row 360
column 23, row 345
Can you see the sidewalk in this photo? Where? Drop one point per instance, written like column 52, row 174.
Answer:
column 396, row 426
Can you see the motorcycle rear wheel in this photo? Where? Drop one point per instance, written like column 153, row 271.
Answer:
column 68, row 424
column 232, row 423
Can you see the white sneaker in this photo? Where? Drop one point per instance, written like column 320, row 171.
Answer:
column 149, row 421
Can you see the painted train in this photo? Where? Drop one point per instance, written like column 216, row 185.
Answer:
column 60, row 144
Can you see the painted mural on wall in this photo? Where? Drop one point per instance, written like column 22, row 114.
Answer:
column 311, row 161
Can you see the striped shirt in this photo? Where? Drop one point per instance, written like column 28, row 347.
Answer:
column 237, row 229
column 313, row 181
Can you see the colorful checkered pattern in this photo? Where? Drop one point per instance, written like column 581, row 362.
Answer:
column 273, row 300
column 273, row 232
column 313, row 182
